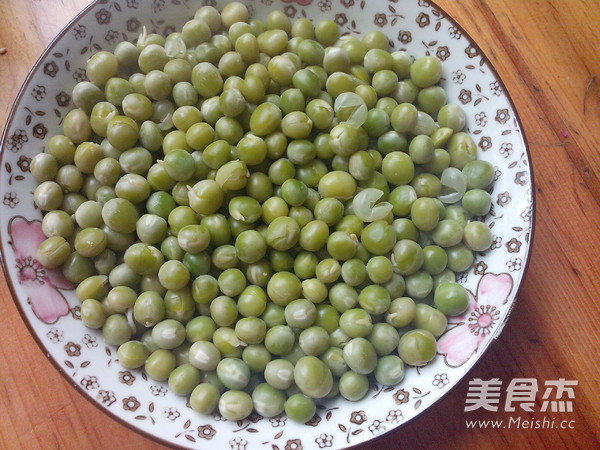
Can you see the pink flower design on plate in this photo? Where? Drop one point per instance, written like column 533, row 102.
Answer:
column 40, row 284
column 474, row 327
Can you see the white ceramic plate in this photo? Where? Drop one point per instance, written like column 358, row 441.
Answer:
column 51, row 310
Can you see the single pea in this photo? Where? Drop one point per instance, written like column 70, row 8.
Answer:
column 53, row 252
column 477, row 236
column 123, row 275
column 233, row 373
column 313, row 377
column 398, row 168
column 384, row 338
column 337, row 184
column 300, row 313
column 294, row 192
column 116, row 330
column 451, row 298
column 378, row 237
column 279, row 340
column 360, row 356
column 460, row 258
column 313, row 341
column 480, row 174
column 300, row 408
column 58, row 223
column 329, row 210
column 132, row 354
column 48, row 196
column 149, row 308
column 279, row 373
column 206, row 197
column 333, row 358
column 44, row 167
column 93, row 314
column 251, row 330
column 90, row 242
column 356, row 323
column 408, row 256
column 259, row 273
column 227, row 342
column 462, row 150
column 424, row 213
column 204, row 398
column 315, row 291
column 353, row 386
column 380, row 269
column 341, row 245
column 417, row 347
column 430, row 319
column 183, row 379
column 283, row 233
column 354, row 272
column 328, row 270
column 447, row 233
column 120, row 215
column 426, row 71
column 477, row 202
column 389, row 370
column 256, row 357
column 435, row 259
column 374, row 299
column 268, row 401
column 305, row 265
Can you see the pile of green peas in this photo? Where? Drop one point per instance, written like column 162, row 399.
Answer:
column 263, row 214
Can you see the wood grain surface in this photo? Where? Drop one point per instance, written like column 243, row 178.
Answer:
column 548, row 54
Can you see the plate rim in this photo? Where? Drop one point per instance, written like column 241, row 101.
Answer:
column 527, row 257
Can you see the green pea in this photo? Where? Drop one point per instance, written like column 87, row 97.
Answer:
column 328, row 270
column 460, row 258
column 223, row 311
column 300, row 313
column 398, row 168
column 204, row 398
column 132, row 354
column 256, row 357
column 313, row 377
column 419, row 284
column 417, row 347
column 251, row 330
column 426, row 71
column 353, row 386
column 360, row 356
column 378, row 237
column 300, row 408
column 268, row 401
column 116, row 330
column 389, row 370
column 279, row 340
column 149, row 308
column 183, row 379
column 93, row 314
column 283, row 233
column 384, row 338
column 408, row 256
column 53, row 252
column 430, row 319
column 451, row 299
column 179, row 305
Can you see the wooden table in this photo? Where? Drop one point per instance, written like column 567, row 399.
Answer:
column 548, row 54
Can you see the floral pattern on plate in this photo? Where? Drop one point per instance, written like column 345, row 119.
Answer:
column 47, row 302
